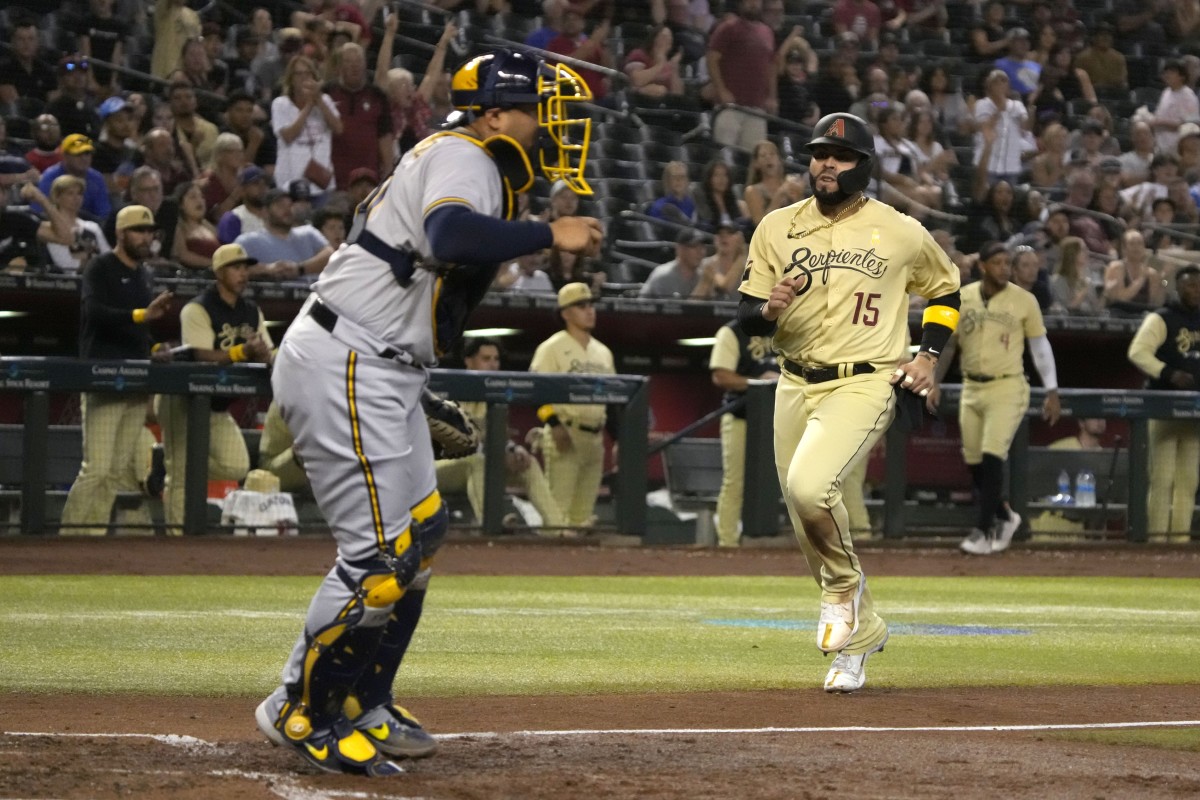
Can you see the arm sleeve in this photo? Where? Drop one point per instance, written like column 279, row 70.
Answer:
column 1043, row 360
column 458, row 235
column 939, row 321
column 195, row 327
column 750, row 317
column 1145, row 344
column 725, row 350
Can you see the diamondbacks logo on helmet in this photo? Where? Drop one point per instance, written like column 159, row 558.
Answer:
column 838, row 129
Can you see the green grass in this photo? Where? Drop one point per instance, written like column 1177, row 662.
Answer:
column 502, row 635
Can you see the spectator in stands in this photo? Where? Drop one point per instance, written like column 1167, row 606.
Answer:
column 551, row 27
column 1142, row 22
column 836, row 84
column 1030, row 275
column 898, row 161
column 415, row 110
column 721, row 272
column 1188, row 148
column 159, row 151
column 680, row 277
column 875, row 98
column 1104, row 64
column 47, row 136
column 565, row 268
column 1060, row 87
column 741, row 67
column 146, row 189
column 258, row 142
column 1081, row 189
column 572, row 41
column 792, row 89
column 116, row 303
column 116, row 146
column 331, row 223
column 194, row 135
column 653, row 68
column 269, row 69
column 1107, row 200
column 1166, row 349
column 247, row 46
column 565, row 203
column 174, row 24
column 1022, row 71
column 304, row 121
column 1164, row 168
column 861, row 17
column 70, row 241
column 946, row 101
column 690, row 22
column 18, row 232
column 764, row 181
column 524, row 275
column 1002, row 124
column 998, row 221
column 1088, row 151
column 77, row 151
column 220, row 326
column 1176, row 105
column 221, row 179
column 988, row 39
column 217, row 79
column 521, row 469
column 195, row 238
column 340, row 18
column 1130, row 284
column 1048, row 169
column 366, row 140
column 933, row 160
column 301, row 193
column 73, row 105
column 101, row 34
column 1135, row 163
column 1071, row 285
column 208, row 84
column 675, row 204
column 25, row 79
column 361, row 182
column 249, row 216
column 716, row 204
column 284, row 252
column 1158, row 229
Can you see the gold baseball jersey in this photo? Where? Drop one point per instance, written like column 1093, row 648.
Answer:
column 563, row 353
column 991, row 335
column 197, row 330
column 853, row 279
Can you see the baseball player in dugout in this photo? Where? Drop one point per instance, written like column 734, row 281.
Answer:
column 218, row 326
column 830, row 278
column 350, row 379
column 116, row 303
column 467, row 474
column 1167, row 349
column 572, row 438
column 736, row 360
column 998, row 319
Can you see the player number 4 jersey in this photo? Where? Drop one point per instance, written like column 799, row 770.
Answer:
column 852, row 279
column 991, row 336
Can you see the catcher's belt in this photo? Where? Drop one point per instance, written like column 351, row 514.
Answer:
column 830, row 373
column 328, row 319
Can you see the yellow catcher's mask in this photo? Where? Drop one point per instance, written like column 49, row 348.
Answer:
column 505, row 79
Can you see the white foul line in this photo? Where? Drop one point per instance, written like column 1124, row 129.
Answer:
column 836, row 729
column 178, row 740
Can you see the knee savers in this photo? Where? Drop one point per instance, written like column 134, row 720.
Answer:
column 411, row 553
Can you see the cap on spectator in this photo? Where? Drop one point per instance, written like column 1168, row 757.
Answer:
column 363, row 174
column 300, row 191
column 245, row 35
column 991, row 250
column 690, row 236
column 290, row 40
column 1163, row 159
column 136, row 218
column 573, row 294
column 1090, row 125
column 558, row 186
column 1102, row 28
column 1018, row 33
column 274, row 194
column 1188, row 129
column 76, row 144
column 251, row 173
column 726, row 225
column 111, row 106
column 1111, row 164
column 229, row 254
column 13, row 164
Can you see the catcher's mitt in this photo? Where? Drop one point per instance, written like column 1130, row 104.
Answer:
column 453, row 432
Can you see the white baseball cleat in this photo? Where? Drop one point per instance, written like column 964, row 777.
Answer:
column 839, row 621
column 1004, row 532
column 977, row 543
column 849, row 673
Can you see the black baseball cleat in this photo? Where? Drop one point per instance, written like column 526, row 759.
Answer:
column 395, row 732
column 339, row 749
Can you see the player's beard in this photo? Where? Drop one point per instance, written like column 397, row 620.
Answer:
column 830, row 199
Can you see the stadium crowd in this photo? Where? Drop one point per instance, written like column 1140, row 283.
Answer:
column 1067, row 129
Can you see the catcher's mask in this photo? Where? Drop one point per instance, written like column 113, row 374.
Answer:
column 851, row 132
column 505, row 79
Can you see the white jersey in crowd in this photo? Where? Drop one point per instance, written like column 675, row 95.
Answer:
column 446, row 169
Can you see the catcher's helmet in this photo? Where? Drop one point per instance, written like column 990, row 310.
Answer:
column 506, row 78
column 851, row 132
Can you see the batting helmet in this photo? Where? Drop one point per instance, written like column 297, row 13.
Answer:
column 506, row 78
column 851, row 132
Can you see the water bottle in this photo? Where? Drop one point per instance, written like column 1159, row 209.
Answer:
column 1063, row 498
column 1085, row 489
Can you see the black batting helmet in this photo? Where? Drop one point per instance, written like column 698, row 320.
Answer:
column 851, row 132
